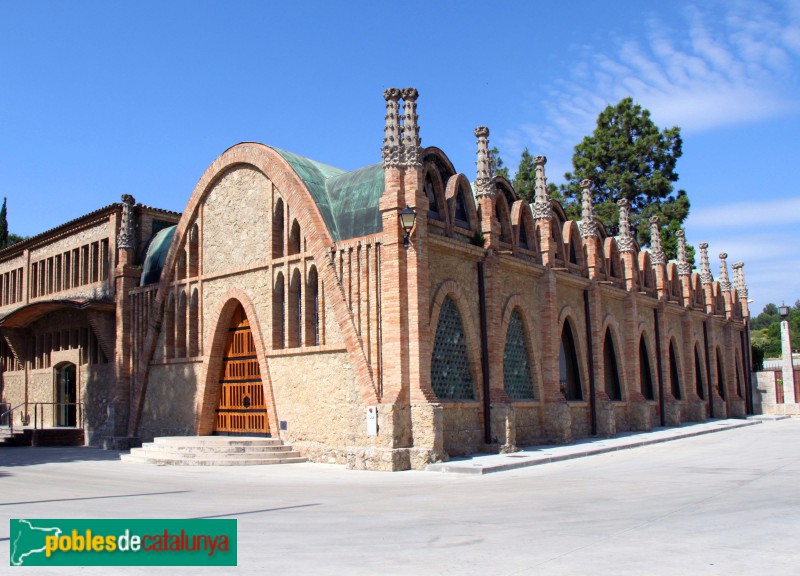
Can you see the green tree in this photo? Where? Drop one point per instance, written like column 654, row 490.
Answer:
column 765, row 330
column 3, row 225
column 627, row 156
column 525, row 179
column 496, row 164
column 14, row 238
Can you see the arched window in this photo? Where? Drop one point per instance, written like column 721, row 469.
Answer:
column 180, row 326
column 569, row 373
column 169, row 329
column 698, row 374
column 180, row 267
column 194, row 326
column 312, row 308
column 674, row 375
column 523, row 234
column 720, row 376
column 517, row 380
column 295, row 326
column 501, row 213
column 194, row 251
column 278, row 302
column 461, row 215
column 295, row 239
column 277, row 230
column 451, row 377
column 645, row 374
column 613, row 387
column 430, row 192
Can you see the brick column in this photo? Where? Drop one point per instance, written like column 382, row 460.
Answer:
column 126, row 277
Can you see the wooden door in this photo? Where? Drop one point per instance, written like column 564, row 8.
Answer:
column 241, row 408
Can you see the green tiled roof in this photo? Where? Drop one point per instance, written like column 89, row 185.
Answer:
column 348, row 201
column 156, row 256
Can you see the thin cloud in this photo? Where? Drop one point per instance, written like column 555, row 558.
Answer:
column 725, row 65
column 776, row 212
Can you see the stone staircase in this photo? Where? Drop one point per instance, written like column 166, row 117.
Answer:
column 214, row 451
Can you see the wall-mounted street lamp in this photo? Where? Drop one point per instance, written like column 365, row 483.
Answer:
column 407, row 219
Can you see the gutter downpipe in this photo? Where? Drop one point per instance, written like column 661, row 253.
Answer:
column 590, row 357
column 659, row 366
column 487, row 406
column 708, row 371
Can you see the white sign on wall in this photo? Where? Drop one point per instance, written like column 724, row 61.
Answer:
column 372, row 420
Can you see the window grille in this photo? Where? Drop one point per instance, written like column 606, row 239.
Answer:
column 450, row 374
column 516, row 366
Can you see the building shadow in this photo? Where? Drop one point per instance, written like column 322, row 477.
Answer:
column 11, row 456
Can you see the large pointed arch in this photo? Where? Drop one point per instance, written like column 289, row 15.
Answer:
column 216, row 338
column 611, row 373
column 674, row 371
column 646, row 378
column 302, row 206
column 570, row 365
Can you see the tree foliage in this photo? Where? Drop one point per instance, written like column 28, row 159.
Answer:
column 525, row 179
column 627, row 156
column 496, row 165
column 7, row 239
column 4, row 225
column 765, row 331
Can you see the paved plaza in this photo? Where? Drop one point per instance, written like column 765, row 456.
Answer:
column 722, row 503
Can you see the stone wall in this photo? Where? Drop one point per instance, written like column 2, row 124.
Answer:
column 171, row 401
column 316, row 396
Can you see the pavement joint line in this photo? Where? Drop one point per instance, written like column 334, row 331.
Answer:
column 495, row 463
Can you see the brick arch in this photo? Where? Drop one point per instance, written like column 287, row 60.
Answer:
column 614, row 266
column 522, row 220
column 454, row 184
column 515, row 302
column 453, row 289
column 216, row 336
column 579, row 336
column 503, row 214
column 301, row 204
column 571, row 239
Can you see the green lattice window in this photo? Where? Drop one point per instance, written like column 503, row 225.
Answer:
column 450, row 374
column 516, row 365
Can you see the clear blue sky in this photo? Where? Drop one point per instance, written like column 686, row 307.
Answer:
column 99, row 99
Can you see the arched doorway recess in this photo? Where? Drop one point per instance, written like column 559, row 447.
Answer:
column 241, row 407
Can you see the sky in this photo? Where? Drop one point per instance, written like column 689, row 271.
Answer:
column 100, row 99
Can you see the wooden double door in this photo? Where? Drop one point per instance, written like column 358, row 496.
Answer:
column 241, row 406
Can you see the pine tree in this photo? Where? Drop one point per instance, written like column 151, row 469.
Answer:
column 627, row 156
column 3, row 225
column 525, row 179
column 496, row 164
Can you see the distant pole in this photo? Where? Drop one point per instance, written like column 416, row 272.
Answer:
column 786, row 357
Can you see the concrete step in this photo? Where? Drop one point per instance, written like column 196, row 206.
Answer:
column 265, row 455
column 220, row 448
column 214, row 451
column 217, row 441
column 175, row 461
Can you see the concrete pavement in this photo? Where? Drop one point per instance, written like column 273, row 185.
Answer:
column 726, row 503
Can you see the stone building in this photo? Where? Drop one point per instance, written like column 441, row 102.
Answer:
column 289, row 300
column 63, row 296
